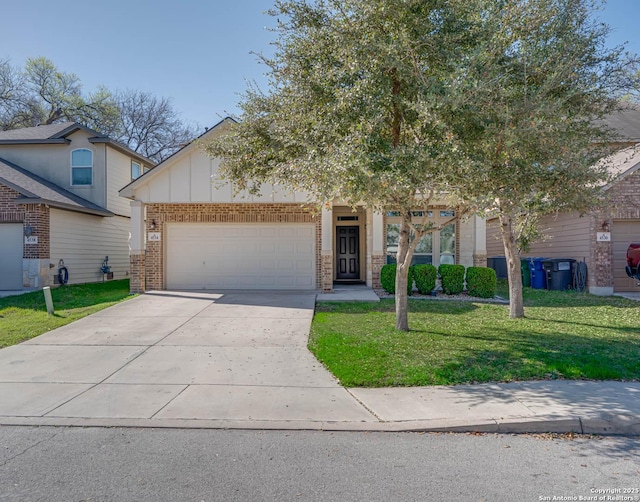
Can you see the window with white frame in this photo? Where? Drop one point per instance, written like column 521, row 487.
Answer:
column 136, row 170
column 436, row 247
column 81, row 167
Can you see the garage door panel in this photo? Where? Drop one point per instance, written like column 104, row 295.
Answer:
column 11, row 256
column 265, row 256
column 623, row 233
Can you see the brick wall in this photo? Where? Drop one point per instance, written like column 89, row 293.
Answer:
column 479, row 260
column 217, row 213
column 137, row 276
column 36, row 216
column 624, row 198
column 377, row 262
column 623, row 203
column 32, row 215
column 326, row 283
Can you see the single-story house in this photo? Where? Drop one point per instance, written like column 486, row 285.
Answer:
column 189, row 230
column 59, row 205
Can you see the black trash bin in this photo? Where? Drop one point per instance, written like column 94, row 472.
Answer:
column 499, row 264
column 558, row 271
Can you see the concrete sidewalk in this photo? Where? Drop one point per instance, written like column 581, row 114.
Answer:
column 239, row 360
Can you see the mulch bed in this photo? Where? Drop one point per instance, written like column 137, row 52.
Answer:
column 464, row 297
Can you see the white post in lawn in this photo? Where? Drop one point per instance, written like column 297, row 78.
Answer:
column 48, row 300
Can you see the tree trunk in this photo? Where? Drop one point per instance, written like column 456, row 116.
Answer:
column 516, row 307
column 403, row 259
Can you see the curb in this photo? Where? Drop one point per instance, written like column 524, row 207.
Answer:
column 619, row 425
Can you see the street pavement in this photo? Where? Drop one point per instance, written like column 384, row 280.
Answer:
column 239, row 360
column 43, row 464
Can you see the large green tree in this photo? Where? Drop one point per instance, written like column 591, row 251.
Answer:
column 531, row 107
column 55, row 96
column 354, row 109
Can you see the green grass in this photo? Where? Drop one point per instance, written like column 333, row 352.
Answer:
column 25, row 316
column 566, row 335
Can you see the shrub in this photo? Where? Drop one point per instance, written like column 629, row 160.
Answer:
column 452, row 278
column 388, row 278
column 425, row 277
column 481, row 282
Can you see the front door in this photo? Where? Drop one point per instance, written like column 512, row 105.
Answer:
column 348, row 256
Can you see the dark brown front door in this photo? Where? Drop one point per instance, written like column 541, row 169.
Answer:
column 348, row 257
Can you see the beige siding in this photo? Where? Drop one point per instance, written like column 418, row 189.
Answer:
column 83, row 241
column 118, row 176
column 494, row 239
column 566, row 236
column 192, row 176
column 53, row 162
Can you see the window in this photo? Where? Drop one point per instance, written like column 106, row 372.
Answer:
column 448, row 244
column 82, row 167
column 435, row 248
column 423, row 252
column 136, row 170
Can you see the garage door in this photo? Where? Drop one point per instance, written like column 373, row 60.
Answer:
column 10, row 256
column 622, row 234
column 252, row 256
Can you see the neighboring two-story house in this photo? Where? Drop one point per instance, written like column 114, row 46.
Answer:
column 59, row 205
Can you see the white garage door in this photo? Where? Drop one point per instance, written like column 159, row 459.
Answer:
column 622, row 234
column 251, row 256
column 11, row 256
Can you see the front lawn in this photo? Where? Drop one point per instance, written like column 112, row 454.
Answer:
column 24, row 316
column 565, row 335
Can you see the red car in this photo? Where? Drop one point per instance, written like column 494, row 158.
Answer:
column 633, row 260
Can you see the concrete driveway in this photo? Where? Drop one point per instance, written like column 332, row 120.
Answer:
column 166, row 358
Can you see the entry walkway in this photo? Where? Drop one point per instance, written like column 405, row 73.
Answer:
column 240, row 360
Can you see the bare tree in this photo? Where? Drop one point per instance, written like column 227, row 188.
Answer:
column 43, row 94
column 13, row 97
column 150, row 125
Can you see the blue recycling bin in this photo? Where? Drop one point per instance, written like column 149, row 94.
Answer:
column 538, row 273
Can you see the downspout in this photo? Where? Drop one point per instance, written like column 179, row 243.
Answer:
column 106, row 179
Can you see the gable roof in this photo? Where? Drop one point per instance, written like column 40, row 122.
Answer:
column 36, row 190
column 35, row 133
column 53, row 134
column 127, row 191
column 622, row 163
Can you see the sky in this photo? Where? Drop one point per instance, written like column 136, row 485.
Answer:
column 198, row 53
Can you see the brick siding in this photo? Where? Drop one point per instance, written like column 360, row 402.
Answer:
column 377, row 262
column 215, row 213
column 137, row 276
column 30, row 215
column 623, row 203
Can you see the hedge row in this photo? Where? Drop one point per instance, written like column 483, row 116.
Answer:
column 481, row 281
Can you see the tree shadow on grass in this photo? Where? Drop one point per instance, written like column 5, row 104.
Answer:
column 632, row 330
column 541, row 356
